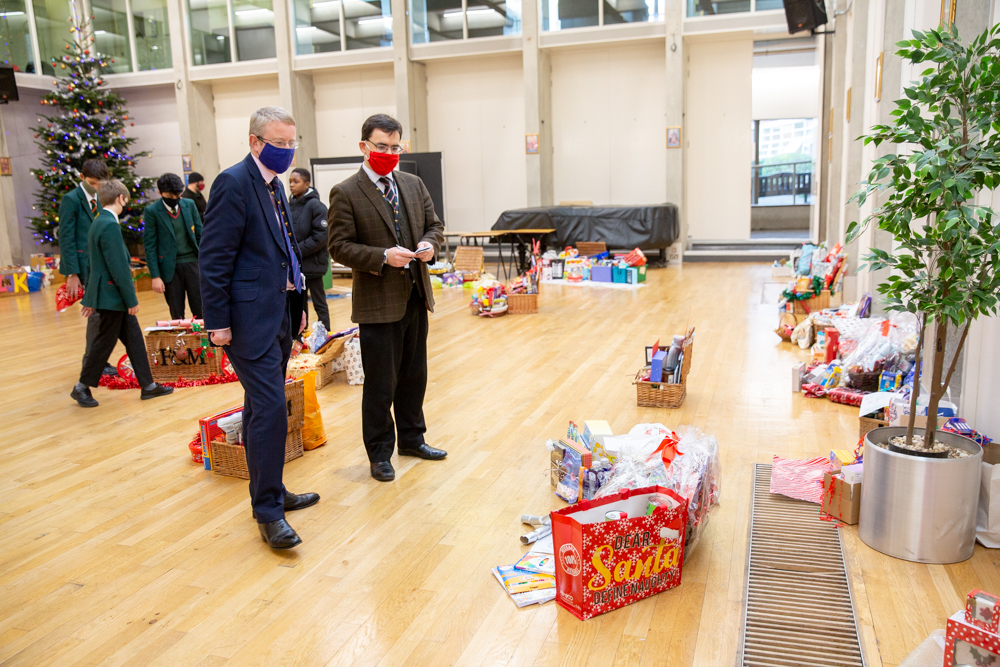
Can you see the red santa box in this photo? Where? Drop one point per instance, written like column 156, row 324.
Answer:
column 971, row 637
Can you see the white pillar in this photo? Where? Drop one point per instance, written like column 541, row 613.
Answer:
column 411, row 81
column 295, row 89
column 537, row 107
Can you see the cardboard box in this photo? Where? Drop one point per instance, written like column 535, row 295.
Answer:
column 600, row 273
column 641, row 272
column 841, row 500
column 632, row 275
column 798, row 371
column 965, row 644
column 618, row 274
column 656, row 367
column 594, row 433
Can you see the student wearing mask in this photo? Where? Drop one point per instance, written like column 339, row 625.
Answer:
column 171, row 235
column 309, row 223
column 77, row 211
column 383, row 226
column 110, row 294
column 196, row 183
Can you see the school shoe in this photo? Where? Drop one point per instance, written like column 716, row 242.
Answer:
column 81, row 394
column 296, row 501
column 110, row 370
column 279, row 535
column 424, row 451
column 382, row 471
column 158, row 390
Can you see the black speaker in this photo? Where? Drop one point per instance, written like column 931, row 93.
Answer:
column 804, row 15
column 8, row 86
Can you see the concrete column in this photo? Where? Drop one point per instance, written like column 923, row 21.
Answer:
column 295, row 89
column 195, row 103
column 11, row 251
column 411, row 81
column 675, row 84
column 537, row 107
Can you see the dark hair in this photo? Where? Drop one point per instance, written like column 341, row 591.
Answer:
column 195, row 177
column 304, row 173
column 380, row 121
column 95, row 169
column 171, row 183
column 110, row 191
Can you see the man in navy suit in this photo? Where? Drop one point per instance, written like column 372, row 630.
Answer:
column 251, row 289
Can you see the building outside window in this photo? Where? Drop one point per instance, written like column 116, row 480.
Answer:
column 210, row 35
column 567, row 14
column 15, row 37
column 441, row 20
column 784, row 151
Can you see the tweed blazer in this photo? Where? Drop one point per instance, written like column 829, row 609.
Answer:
column 361, row 229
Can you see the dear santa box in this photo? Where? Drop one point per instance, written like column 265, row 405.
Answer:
column 841, row 499
column 603, row 565
column 965, row 644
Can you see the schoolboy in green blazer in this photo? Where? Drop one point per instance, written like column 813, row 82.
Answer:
column 110, row 293
column 172, row 235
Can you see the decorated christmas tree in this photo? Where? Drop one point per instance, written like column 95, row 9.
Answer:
column 89, row 123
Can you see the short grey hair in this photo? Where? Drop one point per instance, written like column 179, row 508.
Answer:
column 264, row 116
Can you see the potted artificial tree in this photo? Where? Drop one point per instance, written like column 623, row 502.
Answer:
column 921, row 487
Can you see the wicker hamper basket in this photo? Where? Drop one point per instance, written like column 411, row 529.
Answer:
column 665, row 394
column 231, row 460
column 200, row 360
column 868, row 424
column 523, row 304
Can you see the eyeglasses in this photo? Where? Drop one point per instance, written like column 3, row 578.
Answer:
column 383, row 148
column 279, row 144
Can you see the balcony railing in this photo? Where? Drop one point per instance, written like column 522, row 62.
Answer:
column 783, row 183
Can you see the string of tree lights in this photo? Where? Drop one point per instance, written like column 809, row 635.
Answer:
column 90, row 124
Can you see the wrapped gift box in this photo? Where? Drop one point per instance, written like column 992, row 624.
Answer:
column 600, row 273
column 966, row 644
column 981, row 611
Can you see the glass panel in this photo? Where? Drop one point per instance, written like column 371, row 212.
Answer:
column 562, row 14
column 52, row 23
column 152, row 34
column 254, row 22
column 436, row 20
column 493, row 17
column 712, row 7
column 785, row 149
column 317, row 26
column 633, row 11
column 209, row 32
column 769, row 4
column 111, row 33
column 368, row 23
column 17, row 51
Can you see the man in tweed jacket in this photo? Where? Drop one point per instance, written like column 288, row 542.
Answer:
column 383, row 226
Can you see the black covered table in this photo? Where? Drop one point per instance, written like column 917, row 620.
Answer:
column 620, row 227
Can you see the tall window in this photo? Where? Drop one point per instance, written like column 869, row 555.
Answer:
column 52, row 25
column 784, row 151
column 111, row 33
column 152, row 34
column 218, row 36
column 17, row 51
column 441, row 20
column 322, row 26
column 563, row 14
column 367, row 23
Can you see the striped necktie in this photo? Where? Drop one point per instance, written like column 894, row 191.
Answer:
column 93, row 207
column 276, row 194
column 393, row 198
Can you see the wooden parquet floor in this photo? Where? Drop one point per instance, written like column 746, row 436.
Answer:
column 115, row 549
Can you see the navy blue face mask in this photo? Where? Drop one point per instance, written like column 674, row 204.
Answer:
column 276, row 159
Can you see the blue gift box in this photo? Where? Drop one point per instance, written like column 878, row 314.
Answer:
column 600, row 273
column 618, row 275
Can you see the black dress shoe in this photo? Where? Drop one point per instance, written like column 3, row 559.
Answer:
column 158, row 390
column 279, row 535
column 424, row 451
column 110, row 370
column 299, row 501
column 382, row 471
column 84, row 397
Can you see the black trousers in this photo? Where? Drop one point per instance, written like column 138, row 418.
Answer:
column 265, row 421
column 114, row 326
column 394, row 357
column 93, row 325
column 318, row 294
column 186, row 280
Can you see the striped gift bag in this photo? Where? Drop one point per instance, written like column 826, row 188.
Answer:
column 802, row 480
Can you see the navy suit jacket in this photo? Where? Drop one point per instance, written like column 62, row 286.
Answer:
column 244, row 262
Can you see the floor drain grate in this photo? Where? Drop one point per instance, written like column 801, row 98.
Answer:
column 798, row 601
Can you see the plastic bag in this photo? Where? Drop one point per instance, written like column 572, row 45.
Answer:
column 805, row 260
column 63, row 300
column 313, row 433
column 317, row 337
column 352, row 362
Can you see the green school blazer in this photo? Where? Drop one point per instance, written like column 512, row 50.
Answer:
column 109, row 285
column 159, row 239
column 75, row 219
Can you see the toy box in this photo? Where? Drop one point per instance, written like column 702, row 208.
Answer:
column 601, row 273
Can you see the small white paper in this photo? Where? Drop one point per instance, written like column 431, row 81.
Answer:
column 543, row 546
column 873, row 402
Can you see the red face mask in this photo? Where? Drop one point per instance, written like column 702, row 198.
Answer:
column 382, row 163
column 201, row 186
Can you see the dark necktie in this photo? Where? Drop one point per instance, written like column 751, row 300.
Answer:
column 393, row 199
column 277, row 194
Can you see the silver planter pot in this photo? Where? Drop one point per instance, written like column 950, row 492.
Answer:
column 916, row 508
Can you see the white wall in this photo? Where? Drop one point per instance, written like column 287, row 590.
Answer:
column 475, row 112
column 608, row 124
column 153, row 109
column 785, row 92
column 19, row 117
column 718, row 141
column 344, row 99
column 235, row 100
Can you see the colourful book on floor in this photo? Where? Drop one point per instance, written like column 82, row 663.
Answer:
column 538, row 563
column 529, row 597
column 521, row 581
